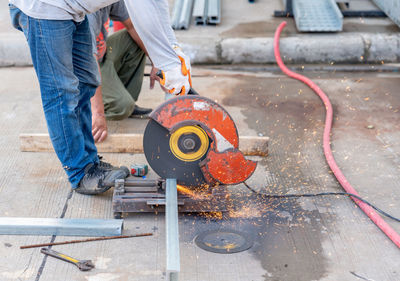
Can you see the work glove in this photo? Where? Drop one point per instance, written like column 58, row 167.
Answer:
column 178, row 80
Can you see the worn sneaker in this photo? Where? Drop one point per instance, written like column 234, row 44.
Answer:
column 107, row 166
column 97, row 180
column 140, row 112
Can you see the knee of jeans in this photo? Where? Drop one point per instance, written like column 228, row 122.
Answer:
column 64, row 96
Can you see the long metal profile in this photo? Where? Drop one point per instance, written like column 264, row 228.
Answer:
column 200, row 12
column 172, row 229
column 182, row 14
column 184, row 20
column 214, row 12
column 176, row 13
column 63, row 227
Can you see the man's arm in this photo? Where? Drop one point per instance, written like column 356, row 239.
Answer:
column 151, row 22
column 132, row 32
column 99, row 123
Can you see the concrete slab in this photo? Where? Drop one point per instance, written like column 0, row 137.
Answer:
column 304, row 239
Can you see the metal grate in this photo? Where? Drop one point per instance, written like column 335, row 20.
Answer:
column 391, row 8
column 317, row 16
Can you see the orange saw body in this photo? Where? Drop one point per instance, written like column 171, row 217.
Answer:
column 195, row 140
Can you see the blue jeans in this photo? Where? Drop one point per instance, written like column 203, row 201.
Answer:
column 68, row 75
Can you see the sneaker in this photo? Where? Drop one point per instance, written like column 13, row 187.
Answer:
column 140, row 112
column 107, row 166
column 97, row 180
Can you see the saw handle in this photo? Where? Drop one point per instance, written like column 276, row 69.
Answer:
column 191, row 91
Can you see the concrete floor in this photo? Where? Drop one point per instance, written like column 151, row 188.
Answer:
column 303, row 239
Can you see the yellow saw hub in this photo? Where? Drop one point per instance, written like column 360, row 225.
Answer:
column 189, row 143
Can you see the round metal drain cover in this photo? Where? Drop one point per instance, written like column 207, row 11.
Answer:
column 223, row 241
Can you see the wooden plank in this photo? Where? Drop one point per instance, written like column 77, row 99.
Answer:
column 133, row 143
column 125, row 143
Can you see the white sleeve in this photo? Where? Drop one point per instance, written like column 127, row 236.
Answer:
column 151, row 21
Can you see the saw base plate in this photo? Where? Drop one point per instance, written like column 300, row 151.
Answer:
column 148, row 196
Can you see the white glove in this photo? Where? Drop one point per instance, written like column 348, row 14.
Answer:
column 185, row 60
column 178, row 80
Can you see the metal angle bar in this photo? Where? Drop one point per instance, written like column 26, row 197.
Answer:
column 176, row 14
column 184, row 20
column 214, row 12
column 200, row 12
column 63, row 227
column 172, row 229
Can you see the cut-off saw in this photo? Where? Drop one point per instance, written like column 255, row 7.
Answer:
column 194, row 140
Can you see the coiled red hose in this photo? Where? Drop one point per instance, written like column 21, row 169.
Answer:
column 390, row 232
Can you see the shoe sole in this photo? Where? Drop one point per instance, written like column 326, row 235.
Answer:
column 94, row 192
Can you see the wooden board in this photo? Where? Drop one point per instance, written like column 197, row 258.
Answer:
column 133, row 143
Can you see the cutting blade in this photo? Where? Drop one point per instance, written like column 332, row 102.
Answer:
column 157, row 149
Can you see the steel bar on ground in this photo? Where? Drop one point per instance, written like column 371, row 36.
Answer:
column 172, row 229
column 85, row 240
column 214, row 12
column 200, row 12
column 63, row 227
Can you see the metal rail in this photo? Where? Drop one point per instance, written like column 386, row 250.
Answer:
column 172, row 229
column 182, row 14
column 65, row 227
column 214, row 12
column 207, row 12
column 176, row 13
column 200, row 12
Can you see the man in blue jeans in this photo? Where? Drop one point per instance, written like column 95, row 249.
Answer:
column 60, row 43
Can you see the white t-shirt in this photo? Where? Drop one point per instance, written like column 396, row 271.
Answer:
column 150, row 18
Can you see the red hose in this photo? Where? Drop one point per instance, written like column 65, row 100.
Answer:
column 390, row 232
